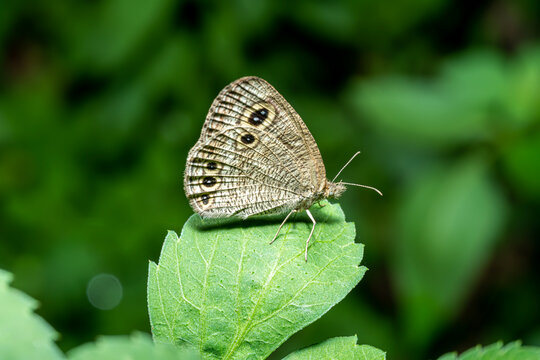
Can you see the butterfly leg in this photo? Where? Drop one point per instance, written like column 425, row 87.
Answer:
column 321, row 205
column 283, row 223
column 311, row 233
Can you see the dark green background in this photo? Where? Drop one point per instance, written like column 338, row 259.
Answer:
column 100, row 102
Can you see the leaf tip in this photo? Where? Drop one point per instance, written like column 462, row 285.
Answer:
column 172, row 235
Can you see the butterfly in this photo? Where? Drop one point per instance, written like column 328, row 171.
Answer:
column 256, row 156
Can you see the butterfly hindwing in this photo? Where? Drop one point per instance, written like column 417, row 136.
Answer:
column 228, row 176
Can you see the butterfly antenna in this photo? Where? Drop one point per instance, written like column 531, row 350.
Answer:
column 344, row 166
column 364, row 186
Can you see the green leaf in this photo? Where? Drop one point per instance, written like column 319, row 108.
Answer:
column 511, row 351
column 224, row 289
column 448, row 225
column 135, row 347
column 23, row 334
column 351, row 316
column 338, row 348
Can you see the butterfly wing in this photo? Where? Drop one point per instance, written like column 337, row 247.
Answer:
column 255, row 155
column 244, row 101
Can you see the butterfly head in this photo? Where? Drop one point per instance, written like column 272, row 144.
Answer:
column 334, row 189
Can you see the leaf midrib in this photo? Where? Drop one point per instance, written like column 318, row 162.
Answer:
column 240, row 335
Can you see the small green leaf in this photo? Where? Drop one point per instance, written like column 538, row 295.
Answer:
column 23, row 334
column 511, row 351
column 338, row 348
column 139, row 346
column 222, row 288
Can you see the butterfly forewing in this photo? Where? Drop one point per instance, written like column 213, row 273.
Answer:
column 246, row 100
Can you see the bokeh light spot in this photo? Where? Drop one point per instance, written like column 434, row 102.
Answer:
column 104, row 291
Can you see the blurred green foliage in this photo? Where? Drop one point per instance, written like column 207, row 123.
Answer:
column 100, row 102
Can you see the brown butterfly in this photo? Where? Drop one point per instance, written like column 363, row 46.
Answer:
column 256, row 156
